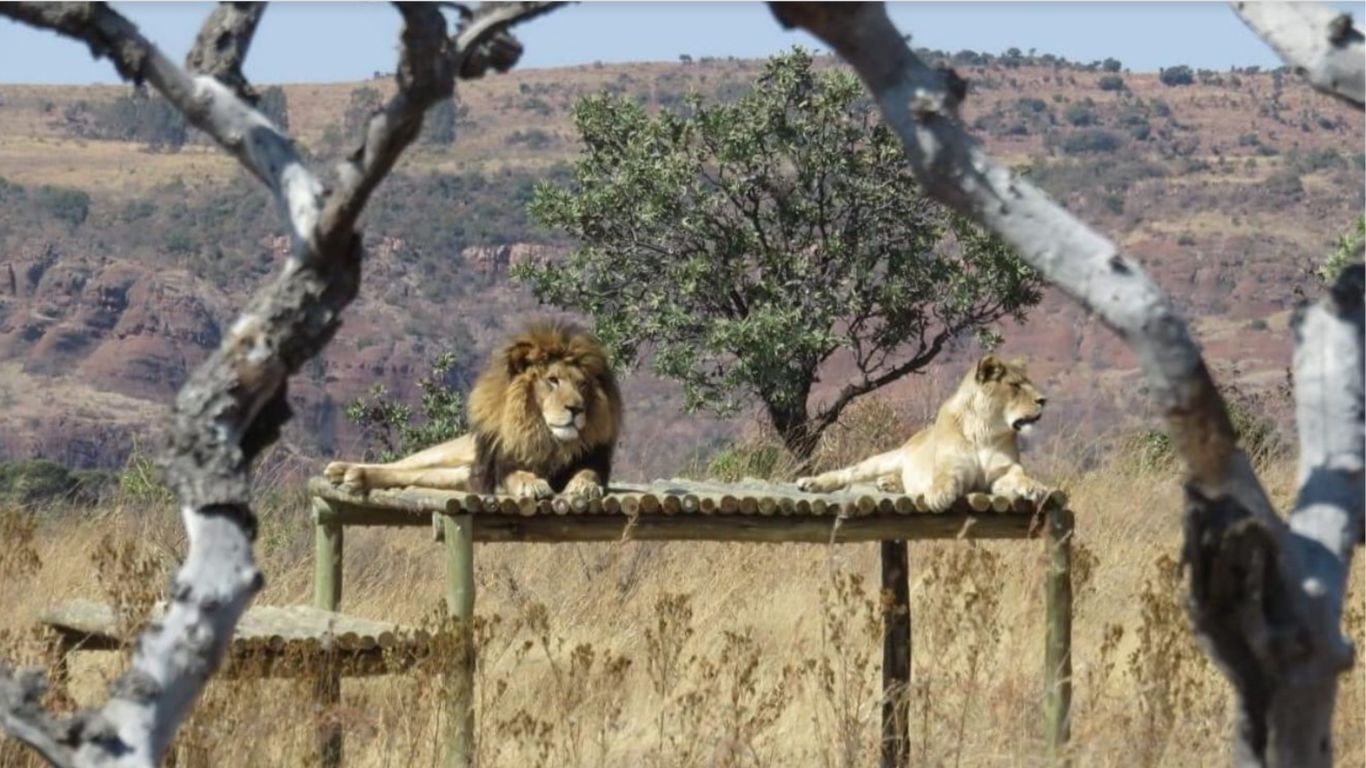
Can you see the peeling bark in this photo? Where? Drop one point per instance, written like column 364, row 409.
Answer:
column 1316, row 41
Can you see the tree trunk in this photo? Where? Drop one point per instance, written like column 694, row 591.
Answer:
column 796, row 429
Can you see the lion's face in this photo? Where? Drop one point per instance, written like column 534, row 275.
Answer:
column 1008, row 394
column 548, row 396
column 562, row 393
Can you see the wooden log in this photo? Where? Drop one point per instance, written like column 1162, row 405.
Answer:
column 1058, row 531
column 670, row 504
column 768, row 506
column 979, row 502
column 327, row 555
column 751, row 528
column 460, row 604
column 327, row 592
column 896, row 655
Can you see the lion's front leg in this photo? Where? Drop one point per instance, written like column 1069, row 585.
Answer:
column 946, row 489
column 585, row 484
column 525, row 485
column 1016, row 484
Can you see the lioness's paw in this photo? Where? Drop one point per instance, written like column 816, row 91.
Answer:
column 889, row 484
column 584, row 488
column 335, row 472
column 354, row 480
column 940, row 501
column 1030, row 490
column 815, row 485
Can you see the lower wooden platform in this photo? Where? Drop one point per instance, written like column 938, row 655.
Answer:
column 270, row 641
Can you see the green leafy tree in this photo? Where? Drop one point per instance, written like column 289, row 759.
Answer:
column 388, row 423
column 747, row 244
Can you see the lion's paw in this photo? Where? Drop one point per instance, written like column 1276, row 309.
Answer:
column 530, row 487
column 584, row 488
column 889, row 484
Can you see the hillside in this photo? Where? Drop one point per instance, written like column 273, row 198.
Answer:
column 121, row 260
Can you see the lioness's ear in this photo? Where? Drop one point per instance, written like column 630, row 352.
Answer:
column 520, row 356
column 990, row 368
column 1019, row 364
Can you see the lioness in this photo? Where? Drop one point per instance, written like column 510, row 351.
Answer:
column 545, row 414
column 972, row 445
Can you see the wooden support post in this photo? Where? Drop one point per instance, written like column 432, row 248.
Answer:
column 896, row 656
column 458, row 535
column 1057, row 673
column 327, row 588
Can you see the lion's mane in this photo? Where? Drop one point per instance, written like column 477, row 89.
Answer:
column 510, row 432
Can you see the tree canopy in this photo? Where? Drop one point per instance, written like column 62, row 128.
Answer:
column 745, row 245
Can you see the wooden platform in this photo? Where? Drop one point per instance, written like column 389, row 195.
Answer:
column 270, row 641
column 687, row 510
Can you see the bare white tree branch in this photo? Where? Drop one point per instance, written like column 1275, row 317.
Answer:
column 222, row 44
column 1265, row 596
column 233, row 405
column 1316, row 41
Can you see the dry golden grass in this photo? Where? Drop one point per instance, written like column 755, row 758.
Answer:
column 704, row 654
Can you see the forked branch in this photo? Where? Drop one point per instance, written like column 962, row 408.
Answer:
column 233, row 405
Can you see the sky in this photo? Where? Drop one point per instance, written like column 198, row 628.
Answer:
column 352, row 41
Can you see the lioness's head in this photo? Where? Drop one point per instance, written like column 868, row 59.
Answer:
column 549, row 384
column 1007, row 393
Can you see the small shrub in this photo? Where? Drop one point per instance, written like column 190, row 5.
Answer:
column 1080, row 115
column 64, row 204
column 1091, row 140
column 1175, row 76
column 1284, row 184
column 1110, row 83
column 178, row 241
column 764, row 461
column 388, row 423
column 532, row 138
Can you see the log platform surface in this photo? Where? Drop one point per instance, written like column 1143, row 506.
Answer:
column 693, row 510
column 266, row 636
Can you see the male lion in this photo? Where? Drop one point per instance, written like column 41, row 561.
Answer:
column 545, row 415
column 972, row 445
